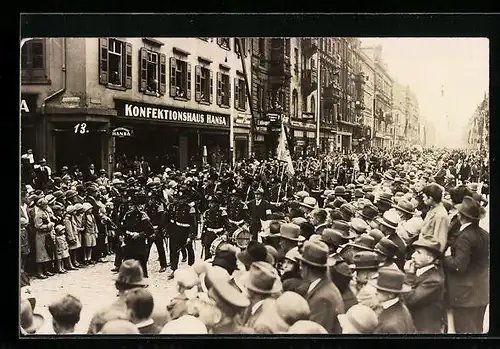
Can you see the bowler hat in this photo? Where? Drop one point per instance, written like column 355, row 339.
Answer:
column 390, row 219
column 262, row 278
column 225, row 259
column 358, row 193
column 315, row 253
column 293, row 255
column 290, row 231
column 429, row 243
column 385, row 198
column 470, row 208
column 405, row 206
column 358, row 225
column 341, row 191
column 364, row 242
column 365, row 260
column 333, row 237
column 131, row 274
column 391, row 280
column 344, row 228
column 254, row 252
column 309, row 202
column 369, row 212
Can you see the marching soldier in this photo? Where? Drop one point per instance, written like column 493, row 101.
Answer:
column 183, row 230
column 235, row 211
column 156, row 210
column 259, row 209
column 137, row 229
column 215, row 222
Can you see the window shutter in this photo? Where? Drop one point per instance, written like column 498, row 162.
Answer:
column 173, row 83
column 143, row 69
column 128, row 65
column 243, row 91
column 103, row 61
column 188, row 89
column 219, row 89
column 236, row 94
column 163, row 73
column 197, row 83
column 211, row 87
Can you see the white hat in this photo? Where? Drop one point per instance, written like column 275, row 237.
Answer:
column 186, row 324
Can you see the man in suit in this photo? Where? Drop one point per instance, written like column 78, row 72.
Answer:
column 426, row 277
column 140, row 306
column 259, row 209
column 323, row 297
column 395, row 317
column 436, row 222
column 467, row 269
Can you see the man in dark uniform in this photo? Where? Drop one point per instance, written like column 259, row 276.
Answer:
column 121, row 205
column 235, row 211
column 184, row 230
column 259, row 209
column 155, row 208
column 137, row 229
column 215, row 222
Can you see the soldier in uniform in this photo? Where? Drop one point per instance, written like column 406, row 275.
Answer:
column 121, row 205
column 215, row 223
column 156, row 210
column 183, row 230
column 236, row 216
column 137, row 229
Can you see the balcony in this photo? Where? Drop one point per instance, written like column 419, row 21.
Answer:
column 331, row 94
column 360, row 78
column 359, row 105
column 309, row 46
column 309, row 81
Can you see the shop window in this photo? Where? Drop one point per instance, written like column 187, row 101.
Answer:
column 239, row 94
column 203, row 84
column 223, row 89
column 225, row 43
column 153, row 72
column 180, row 79
column 33, row 61
column 115, row 68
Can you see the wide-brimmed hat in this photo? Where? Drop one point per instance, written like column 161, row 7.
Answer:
column 364, row 242
column 333, row 237
column 261, row 278
column 390, row 219
column 348, row 209
column 290, row 231
column 344, row 228
column 342, row 268
column 369, row 212
column 358, row 225
column 404, row 206
column 293, row 255
column 340, row 190
column 470, row 208
column 387, row 248
column 315, row 253
column 385, row 198
column 413, row 226
column 309, row 202
column 30, row 322
column 429, row 243
column 131, row 274
column 254, row 252
column 222, row 292
column 391, row 280
column 364, row 260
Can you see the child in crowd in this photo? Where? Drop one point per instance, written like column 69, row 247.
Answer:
column 65, row 314
column 63, row 263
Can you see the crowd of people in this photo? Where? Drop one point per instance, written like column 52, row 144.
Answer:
column 378, row 242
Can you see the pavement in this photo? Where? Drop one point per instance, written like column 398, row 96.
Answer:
column 94, row 286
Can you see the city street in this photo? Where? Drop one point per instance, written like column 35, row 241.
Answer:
column 94, row 286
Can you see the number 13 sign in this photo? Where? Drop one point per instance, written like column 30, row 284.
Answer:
column 81, row 128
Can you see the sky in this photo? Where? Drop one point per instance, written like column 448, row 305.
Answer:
column 461, row 65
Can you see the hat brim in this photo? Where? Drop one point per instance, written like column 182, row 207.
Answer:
column 305, row 205
column 302, row 259
column 142, row 283
column 364, row 248
column 300, row 238
column 416, row 244
column 365, row 216
column 402, row 209
column 38, row 321
column 384, row 223
column 460, row 208
column 245, row 282
column 367, row 267
column 404, row 289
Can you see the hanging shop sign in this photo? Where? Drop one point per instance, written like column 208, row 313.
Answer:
column 136, row 110
column 121, row 132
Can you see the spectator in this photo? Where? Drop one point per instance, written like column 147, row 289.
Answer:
column 140, row 305
column 65, row 314
column 436, row 222
column 30, row 322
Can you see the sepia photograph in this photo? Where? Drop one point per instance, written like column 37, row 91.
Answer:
column 254, row 185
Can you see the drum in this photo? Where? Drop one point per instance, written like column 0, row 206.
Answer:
column 242, row 237
column 217, row 244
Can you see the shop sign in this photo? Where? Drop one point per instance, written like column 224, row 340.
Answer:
column 308, row 116
column 263, row 123
column 28, row 103
column 273, row 117
column 121, row 132
column 169, row 114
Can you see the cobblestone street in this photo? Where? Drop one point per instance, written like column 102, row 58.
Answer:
column 94, row 286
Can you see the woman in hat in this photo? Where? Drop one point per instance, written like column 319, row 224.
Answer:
column 44, row 230
column 89, row 233
column 290, row 272
column 72, row 235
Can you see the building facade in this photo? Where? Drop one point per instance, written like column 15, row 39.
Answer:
column 97, row 100
column 368, row 69
column 478, row 131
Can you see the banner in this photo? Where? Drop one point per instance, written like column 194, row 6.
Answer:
column 283, row 153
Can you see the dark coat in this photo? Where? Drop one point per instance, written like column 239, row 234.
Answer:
column 425, row 300
column 395, row 320
column 258, row 213
column 349, row 299
column 467, row 269
column 326, row 303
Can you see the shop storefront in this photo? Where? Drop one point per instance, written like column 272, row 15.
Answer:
column 241, row 137
column 168, row 135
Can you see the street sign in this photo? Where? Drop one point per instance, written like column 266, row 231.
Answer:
column 121, row 132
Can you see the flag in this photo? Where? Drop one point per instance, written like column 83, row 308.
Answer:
column 283, row 153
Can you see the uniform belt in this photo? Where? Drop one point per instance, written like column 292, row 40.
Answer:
column 237, row 222
column 184, row 225
column 213, row 230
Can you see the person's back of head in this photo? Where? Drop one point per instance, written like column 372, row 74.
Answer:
column 119, row 327
column 140, row 304
column 65, row 313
